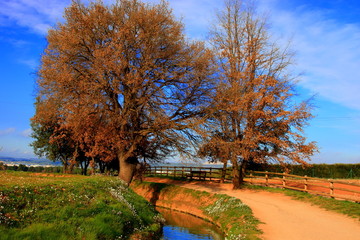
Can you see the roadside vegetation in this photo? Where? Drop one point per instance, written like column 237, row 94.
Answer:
column 350, row 171
column 52, row 169
column 39, row 206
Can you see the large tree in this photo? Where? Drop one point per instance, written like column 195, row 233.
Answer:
column 126, row 77
column 255, row 117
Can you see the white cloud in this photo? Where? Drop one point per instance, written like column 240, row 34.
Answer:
column 12, row 131
column 36, row 15
column 7, row 131
column 327, row 51
column 16, row 152
column 26, row 133
column 40, row 15
column 197, row 16
column 31, row 63
column 14, row 42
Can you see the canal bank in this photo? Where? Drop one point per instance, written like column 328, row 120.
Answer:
column 234, row 218
column 180, row 226
column 284, row 217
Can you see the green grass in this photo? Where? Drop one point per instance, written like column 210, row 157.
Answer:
column 71, row 207
column 234, row 216
column 348, row 208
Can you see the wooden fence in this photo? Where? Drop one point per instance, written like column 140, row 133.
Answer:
column 339, row 189
column 207, row 173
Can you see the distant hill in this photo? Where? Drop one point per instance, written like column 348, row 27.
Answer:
column 28, row 161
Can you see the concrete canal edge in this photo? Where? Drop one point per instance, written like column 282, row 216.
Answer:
column 233, row 217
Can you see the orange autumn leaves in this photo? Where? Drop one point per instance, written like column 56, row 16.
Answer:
column 124, row 81
column 126, row 84
column 254, row 117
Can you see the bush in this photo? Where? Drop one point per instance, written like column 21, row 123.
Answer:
column 315, row 170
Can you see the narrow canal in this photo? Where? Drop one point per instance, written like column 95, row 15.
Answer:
column 187, row 227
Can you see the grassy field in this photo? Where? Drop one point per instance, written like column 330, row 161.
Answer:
column 44, row 206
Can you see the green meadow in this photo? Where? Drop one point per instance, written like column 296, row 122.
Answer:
column 44, row 206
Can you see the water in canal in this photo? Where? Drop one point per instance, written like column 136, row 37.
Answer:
column 187, row 227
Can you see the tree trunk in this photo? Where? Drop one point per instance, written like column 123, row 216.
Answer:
column 223, row 173
column 82, row 167
column 239, row 172
column 236, row 175
column 86, row 165
column 65, row 164
column 65, row 167
column 102, row 166
column 127, row 167
column 242, row 171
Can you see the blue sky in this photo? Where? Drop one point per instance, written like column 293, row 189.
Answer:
column 325, row 35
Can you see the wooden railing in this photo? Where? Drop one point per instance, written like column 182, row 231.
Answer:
column 206, row 173
column 340, row 189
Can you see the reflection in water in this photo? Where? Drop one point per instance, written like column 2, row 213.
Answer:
column 184, row 226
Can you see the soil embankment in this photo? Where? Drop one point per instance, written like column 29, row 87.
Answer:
column 232, row 216
column 284, row 218
column 187, row 203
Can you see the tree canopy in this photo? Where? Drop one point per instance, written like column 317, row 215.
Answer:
column 254, row 117
column 121, row 82
column 123, row 79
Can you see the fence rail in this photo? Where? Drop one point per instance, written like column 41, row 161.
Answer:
column 211, row 173
column 339, row 189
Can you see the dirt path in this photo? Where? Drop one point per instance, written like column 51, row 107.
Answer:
column 284, row 218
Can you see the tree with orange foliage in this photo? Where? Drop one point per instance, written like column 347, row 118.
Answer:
column 254, row 117
column 125, row 80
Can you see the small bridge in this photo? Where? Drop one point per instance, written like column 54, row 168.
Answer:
column 340, row 189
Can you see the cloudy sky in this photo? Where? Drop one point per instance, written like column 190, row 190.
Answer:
column 325, row 35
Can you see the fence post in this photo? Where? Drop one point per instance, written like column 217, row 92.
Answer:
column 331, row 187
column 306, row 184
column 223, row 173
column 266, row 178
column 251, row 178
column 284, row 180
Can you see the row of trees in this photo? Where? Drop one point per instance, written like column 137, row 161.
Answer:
column 122, row 84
